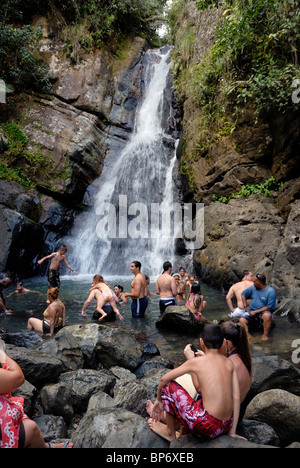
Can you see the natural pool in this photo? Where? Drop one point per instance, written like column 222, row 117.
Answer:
column 75, row 290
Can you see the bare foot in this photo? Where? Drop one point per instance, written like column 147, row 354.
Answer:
column 84, row 314
column 101, row 318
column 61, row 445
column 265, row 338
column 149, row 406
column 161, row 429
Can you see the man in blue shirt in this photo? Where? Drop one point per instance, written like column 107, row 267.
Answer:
column 262, row 305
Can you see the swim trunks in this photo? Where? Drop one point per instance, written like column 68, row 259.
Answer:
column 138, row 307
column 46, row 327
column 53, row 279
column 191, row 414
column 165, row 302
column 111, row 316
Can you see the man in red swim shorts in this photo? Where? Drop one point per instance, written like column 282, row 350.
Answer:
column 214, row 376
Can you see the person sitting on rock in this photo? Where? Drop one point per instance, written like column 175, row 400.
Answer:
column 236, row 291
column 54, row 316
column 16, row 429
column 196, row 303
column 217, row 411
column 262, row 306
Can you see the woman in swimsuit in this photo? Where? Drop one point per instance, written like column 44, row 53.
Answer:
column 196, row 304
column 118, row 289
column 54, row 315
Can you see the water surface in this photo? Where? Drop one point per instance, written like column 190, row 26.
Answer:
column 75, row 290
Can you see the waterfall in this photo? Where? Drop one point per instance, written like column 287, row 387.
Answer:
column 124, row 224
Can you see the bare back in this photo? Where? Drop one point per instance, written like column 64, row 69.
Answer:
column 166, row 286
column 55, row 312
column 237, row 290
column 216, row 380
column 243, row 375
column 215, row 375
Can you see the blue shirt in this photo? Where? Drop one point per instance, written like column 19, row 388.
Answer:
column 261, row 297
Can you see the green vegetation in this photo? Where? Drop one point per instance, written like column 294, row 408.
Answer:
column 247, row 71
column 267, row 189
column 18, row 164
column 81, row 24
column 94, row 22
column 254, row 58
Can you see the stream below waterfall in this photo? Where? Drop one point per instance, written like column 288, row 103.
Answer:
column 75, row 290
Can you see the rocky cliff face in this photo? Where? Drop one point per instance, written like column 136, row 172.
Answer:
column 91, row 110
column 256, row 233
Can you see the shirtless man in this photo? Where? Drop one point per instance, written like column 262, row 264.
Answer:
column 236, row 291
column 138, row 291
column 217, row 412
column 166, row 288
column 56, row 259
column 3, row 284
column 21, row 290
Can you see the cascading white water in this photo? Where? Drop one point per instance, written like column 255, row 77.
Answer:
column 121, row 226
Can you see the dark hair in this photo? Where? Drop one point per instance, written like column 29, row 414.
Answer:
column 196, row 288
column 261, row 277
column 245, row 273
column 119, row 286
column 137, row 264
column 62, row 246
column 213, row 336
column 167, row 265
column 236, row 333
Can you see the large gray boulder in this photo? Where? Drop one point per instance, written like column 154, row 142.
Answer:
column 279, row 409
column 116, row 428
column 179, row 318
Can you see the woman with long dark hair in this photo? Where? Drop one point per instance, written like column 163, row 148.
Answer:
column 238, row 351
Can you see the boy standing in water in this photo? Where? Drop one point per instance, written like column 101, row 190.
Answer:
column 217, row 412
column 53, row 272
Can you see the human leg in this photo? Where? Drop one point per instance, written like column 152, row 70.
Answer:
column 244, row 321
column 101, row 301
column 35, row 324
column 34, row 438
column 166, row 430
column 267, row 323
column 33, row 435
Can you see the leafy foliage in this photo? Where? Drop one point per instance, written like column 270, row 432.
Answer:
column 257, row 47
column 267, row 189
column 17, row 163
column 254, row 59
column 21, row 63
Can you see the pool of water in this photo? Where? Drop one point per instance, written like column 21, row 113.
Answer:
column 75, row 290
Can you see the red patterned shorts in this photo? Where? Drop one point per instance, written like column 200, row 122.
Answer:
column 191, row 414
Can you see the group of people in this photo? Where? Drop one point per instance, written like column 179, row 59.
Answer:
column 203, row 395
column 255, row 299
